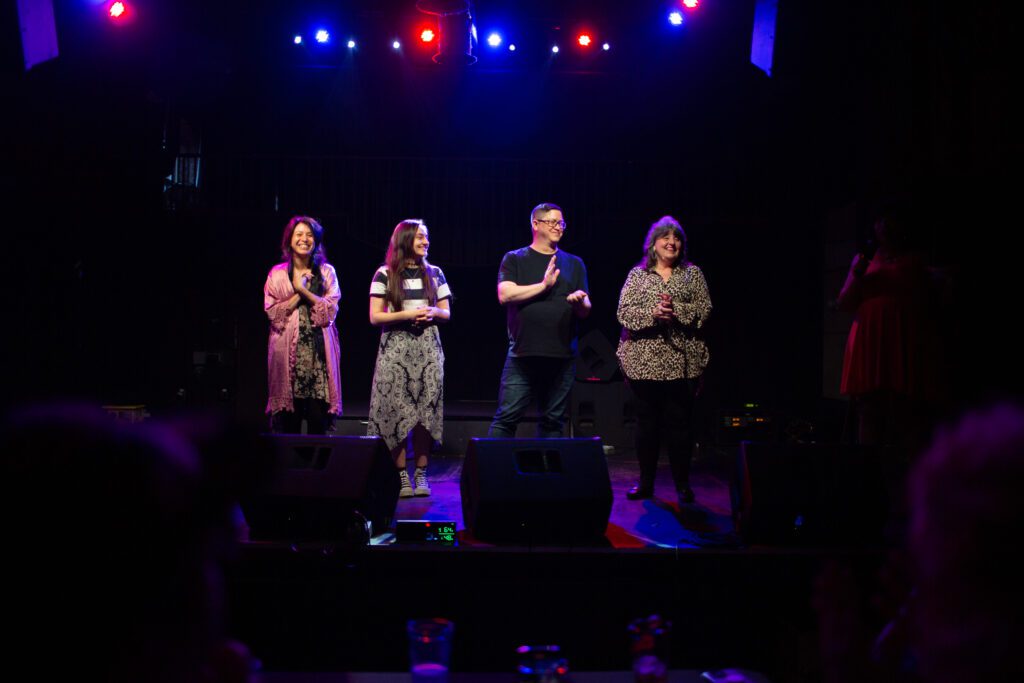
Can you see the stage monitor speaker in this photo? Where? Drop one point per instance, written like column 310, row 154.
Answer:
column 536, row 490
column 797, row 494
column 320, row 482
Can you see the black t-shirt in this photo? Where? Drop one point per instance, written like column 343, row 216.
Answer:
column 544, row 325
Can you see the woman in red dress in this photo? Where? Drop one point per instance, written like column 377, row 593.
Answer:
column 891, row 368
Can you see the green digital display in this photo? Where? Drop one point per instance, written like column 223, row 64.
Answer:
column 446, row 533
column 434, row 532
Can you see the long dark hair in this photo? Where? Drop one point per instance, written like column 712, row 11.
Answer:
column 317, row 258
column 662, row 227
column 319, row 255
column 400, row 250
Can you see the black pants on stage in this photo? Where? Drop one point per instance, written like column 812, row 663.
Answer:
column 664, row 410
column 313, row 410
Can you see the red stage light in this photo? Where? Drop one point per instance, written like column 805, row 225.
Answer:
column 584, row 40
column 118, row 10
column 691, row 4
column 427, row 35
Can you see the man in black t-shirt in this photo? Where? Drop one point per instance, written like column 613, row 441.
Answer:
column 544, row 290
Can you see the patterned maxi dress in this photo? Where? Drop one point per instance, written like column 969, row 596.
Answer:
column 408, row 380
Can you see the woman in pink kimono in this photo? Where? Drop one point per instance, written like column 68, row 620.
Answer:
column 301, row 300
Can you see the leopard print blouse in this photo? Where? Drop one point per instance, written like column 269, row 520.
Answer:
column 652, row 350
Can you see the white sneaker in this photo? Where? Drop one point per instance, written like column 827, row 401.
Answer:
column 405, row 488
column 422, row 488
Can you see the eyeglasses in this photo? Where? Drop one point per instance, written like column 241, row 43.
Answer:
column 551, row 222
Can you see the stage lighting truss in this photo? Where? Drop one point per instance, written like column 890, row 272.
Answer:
column 576, row 44
column 427, row 37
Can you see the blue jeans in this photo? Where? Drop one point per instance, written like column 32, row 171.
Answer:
column 524, row 380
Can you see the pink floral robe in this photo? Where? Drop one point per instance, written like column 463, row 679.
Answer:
column 284, row 336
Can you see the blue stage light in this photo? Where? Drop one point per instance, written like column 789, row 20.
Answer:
column 351, row 44
column 396, row 45
column 606, row 47
column 494, row 40
column 297, row 40
column 554, row 49
column 511, row 47
column 675, row 18
column 322, row 36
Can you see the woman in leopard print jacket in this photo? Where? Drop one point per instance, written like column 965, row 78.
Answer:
column 662, row 308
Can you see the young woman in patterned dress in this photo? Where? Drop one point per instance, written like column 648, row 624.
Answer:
column 408, row 297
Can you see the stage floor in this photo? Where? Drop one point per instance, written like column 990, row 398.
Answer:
column 655, row 523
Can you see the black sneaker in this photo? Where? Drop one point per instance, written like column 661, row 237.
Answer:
column 640, row 492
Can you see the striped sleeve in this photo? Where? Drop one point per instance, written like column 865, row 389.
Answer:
column 443, row 290
column 379, row 284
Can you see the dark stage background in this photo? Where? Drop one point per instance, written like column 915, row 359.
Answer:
column 129, row 287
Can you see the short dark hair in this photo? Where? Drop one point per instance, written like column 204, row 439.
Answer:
column 965, row 504
column 544, row 208
column 154, row 520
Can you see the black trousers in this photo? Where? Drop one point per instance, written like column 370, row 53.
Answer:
column 313, row 410
column 664, row 410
